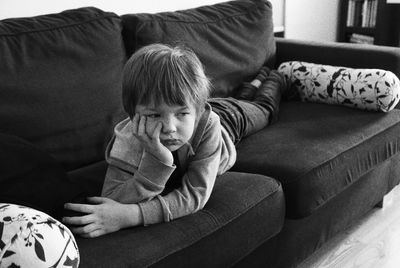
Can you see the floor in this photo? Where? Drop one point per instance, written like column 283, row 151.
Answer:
column 373, row 242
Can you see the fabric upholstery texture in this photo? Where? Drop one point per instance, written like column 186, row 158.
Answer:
column 31, row 177
column 299, row 238
column 238, row 200
column 90, row 178
column 31, row 238
column 232, row 39
column 61, row 82
column 367, row 89
column 318, row 150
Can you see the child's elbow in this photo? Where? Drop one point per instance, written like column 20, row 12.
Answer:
column 200, row 200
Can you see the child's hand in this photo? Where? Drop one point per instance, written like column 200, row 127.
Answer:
column 104, row 216
column 151, row 141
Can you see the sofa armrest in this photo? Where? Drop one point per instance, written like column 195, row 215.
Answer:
column 339, row 54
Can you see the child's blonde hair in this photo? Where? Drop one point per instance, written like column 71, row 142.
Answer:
column 160, row 73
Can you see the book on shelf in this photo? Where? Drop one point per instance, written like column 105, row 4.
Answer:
column 361, row 39
column 362, row 13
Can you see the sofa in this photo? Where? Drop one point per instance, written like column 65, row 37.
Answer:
column 295, row 185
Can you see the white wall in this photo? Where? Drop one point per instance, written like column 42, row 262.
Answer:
column 27, row 8
column 278, row 12
column 315, row 20
column 303, row 19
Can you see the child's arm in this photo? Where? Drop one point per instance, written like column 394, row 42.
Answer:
column 197, row 182
column 104, row 216
column 197, row 185
column 141, row 183
column 127, row 184
column 131, row 183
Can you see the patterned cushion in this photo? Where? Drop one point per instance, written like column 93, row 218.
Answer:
column 31, row 238
column 369, row 89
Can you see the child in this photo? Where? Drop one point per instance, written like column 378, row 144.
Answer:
column 164, row 159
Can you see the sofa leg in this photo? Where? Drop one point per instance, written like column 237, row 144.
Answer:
column 379, row 204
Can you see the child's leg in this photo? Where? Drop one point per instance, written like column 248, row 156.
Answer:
column 269, row 94
column 244, row 117
column 240, row 117
column 248, row 89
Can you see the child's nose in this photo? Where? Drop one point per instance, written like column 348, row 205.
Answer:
column 169, row 126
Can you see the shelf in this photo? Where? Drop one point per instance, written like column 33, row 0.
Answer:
column 360, row 30
column 279, row 31
column 384, row 18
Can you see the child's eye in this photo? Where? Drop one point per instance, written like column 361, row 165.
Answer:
column 153, row 115
column 183, row 113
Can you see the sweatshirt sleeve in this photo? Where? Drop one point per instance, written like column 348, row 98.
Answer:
column 197, row 182
column 127, row 183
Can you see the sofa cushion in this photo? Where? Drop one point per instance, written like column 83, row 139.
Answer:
column 29, row 176
column 244, row 210
column 317, row 150
column 90, row 178
column 232, row 39
column 367, row 89
column 61, row 82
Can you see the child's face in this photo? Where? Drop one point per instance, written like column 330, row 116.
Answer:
column 178, row 122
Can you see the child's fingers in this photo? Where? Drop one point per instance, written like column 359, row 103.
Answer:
column 142, row 126
column 93, row 234
column 79, row 207
column 135, row 123
column 84, row 230
column 97, row 199
column 79, row 220
column 156, row 132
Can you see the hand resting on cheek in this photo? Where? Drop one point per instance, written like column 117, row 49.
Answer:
column 150, row 139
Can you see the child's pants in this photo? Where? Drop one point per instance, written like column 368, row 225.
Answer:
column 240, row 117
column 244, row 117
column 254, row 109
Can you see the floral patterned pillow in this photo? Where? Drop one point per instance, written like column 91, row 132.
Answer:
column 369, row 89
column 31, row 238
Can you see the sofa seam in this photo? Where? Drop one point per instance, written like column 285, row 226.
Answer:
column 249, row 252
column 48, row 29
column 196, row 22
column 343, row 189
column 279, row 188
column 209, row 21
column 261, row 242
column 340, row 154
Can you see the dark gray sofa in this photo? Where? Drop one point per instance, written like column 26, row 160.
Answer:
column 296, row 183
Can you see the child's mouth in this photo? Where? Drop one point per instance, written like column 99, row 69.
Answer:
column 171, row 142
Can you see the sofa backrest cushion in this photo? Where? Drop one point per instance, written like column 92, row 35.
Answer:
column 31, row 177
column 61, row 82
column 232, row 39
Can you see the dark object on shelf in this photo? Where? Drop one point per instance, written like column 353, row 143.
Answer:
column 369, row 22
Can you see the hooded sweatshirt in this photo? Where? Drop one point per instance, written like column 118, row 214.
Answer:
column 135, row 176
